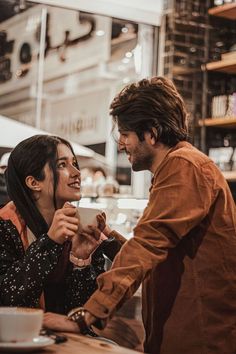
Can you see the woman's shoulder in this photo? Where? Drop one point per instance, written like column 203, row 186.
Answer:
column 7, row 226
column 10, row 236
column 10, row 217
column 8, row 211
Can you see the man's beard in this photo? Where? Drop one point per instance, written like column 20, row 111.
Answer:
column 141, row 159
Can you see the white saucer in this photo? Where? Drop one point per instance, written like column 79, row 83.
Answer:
column 35, row 344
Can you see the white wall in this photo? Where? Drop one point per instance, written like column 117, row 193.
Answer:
column 148, row 11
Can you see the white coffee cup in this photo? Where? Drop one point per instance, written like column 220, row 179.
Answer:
column 88, row 216
column 19, row 324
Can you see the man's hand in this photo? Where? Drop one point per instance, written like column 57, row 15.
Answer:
column 90, row 319
column 60, row 323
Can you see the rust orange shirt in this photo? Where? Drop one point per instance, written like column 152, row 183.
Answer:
column 184, row 253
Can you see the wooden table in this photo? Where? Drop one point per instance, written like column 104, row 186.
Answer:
column 77, row 344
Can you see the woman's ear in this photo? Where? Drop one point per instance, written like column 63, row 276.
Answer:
column 32, row 184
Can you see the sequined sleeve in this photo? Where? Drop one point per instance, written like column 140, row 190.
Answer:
column 22, row 274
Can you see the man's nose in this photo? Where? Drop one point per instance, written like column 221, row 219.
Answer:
column 121, row 144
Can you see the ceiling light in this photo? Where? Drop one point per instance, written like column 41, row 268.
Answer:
column 125, row 60
column 128, row 54
column 100, row 33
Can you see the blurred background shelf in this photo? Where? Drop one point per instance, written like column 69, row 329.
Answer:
column 225, row 66
column 227, row 11
column 230, row 176
column 218, row 122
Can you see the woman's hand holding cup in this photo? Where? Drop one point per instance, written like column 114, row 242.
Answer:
column 64, row 225
column 89, row 237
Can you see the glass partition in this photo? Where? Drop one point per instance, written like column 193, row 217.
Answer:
column 60, row 69
column 20, row 36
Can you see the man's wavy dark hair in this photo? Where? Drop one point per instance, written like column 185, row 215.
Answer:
column 151, row 103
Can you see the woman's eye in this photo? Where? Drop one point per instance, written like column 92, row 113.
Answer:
column 61, row 164
column 75, row 164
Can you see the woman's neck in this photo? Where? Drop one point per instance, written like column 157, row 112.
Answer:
column 47, row 211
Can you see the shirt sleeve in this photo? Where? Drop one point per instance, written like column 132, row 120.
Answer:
column 179, row 200
column 22, row 276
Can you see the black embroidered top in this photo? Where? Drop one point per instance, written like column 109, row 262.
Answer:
column 24, row 275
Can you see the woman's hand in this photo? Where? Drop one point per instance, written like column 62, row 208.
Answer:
column 64, row 225
column 101, row 219
column 86, row 242
column 58, row 322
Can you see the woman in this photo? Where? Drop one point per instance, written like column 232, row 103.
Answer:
column 39, row 226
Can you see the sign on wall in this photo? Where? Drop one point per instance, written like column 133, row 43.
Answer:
column 81, row 118
column 74, row 41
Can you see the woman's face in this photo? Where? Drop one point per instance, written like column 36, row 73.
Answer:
column 68, row 187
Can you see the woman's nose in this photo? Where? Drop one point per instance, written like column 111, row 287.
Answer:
column 74, row 171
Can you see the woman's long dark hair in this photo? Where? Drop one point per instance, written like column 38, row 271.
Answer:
column 29, row 159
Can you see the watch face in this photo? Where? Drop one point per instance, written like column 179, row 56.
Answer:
column 75, row 312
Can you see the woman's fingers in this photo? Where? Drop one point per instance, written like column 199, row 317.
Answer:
column 71, row 220
column 67, row 211
column 64, row 225
column 94, row 232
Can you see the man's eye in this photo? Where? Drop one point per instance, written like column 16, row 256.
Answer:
column 123, row 135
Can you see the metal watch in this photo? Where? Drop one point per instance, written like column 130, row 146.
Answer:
column 78, row 315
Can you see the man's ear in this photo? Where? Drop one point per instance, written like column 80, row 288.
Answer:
column 152, row 136
column 32, row 184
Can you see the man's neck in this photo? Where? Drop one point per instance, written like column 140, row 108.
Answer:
column 161, row 152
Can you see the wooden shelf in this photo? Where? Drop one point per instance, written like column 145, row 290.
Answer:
column 181, row 70
column 218, row 122
column 226, row 66
column 226, row 11
column 230, row 176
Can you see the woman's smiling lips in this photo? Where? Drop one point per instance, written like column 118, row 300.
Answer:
column 74, row 185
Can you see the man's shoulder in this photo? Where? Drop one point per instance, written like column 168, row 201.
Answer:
column 186, row 152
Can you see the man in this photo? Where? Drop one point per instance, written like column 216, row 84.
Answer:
column 184, row 246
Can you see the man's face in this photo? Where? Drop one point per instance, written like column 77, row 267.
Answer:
column 139, row 153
